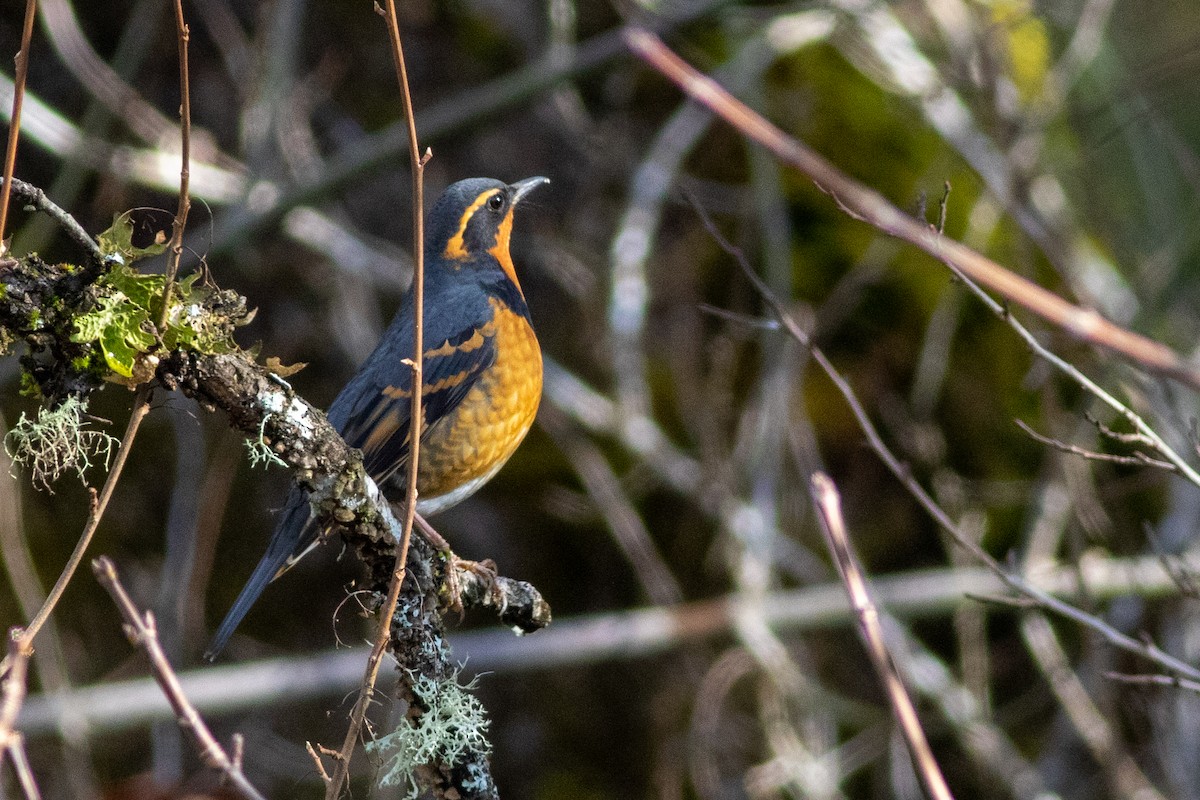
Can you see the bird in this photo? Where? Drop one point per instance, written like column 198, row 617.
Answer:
column 481, row 369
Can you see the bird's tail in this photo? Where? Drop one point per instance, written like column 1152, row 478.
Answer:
column 295, row 535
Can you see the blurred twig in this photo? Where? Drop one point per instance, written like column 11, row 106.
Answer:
column 20, row 762
column 12, row 695
column 976, row 728
column 1155, row 680
column 13, row 688
column 49, row 657
column 441, row 118
column 598, row 639
column 1015, row 581
column 618, row 511
column 14, row 129
column 99, row 79
column 142, row 633
column 868, row 205
column 1093, row 725
column 828, row 505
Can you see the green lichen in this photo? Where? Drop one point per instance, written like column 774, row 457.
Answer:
column 57, row 442
column 128, row 303
column 453, row 726
column 119, row 323
column 29, row 386
column 116, row 243
column 260, row 451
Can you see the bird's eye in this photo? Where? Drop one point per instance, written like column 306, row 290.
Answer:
column 496, row 202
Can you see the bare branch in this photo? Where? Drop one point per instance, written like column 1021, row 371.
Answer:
column 1155, row 680
column 38, row 199
column 1137, row 460
column 902, row 474
column 865, row 204
column 20, row 762
column 142, row 633
column 14, row 129
column 828, row 505
column 13, row 689
column 141, row 406
column 599, row 638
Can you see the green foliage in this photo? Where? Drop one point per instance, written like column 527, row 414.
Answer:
column 454, row 725
column 57, row 442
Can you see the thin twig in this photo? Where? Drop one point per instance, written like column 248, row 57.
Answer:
column 20, row 762
column 141, row 403
column 1137, row 460
column 1154, row 680
column 185, row 147
column 973, row 268
column 865, row 204
column 141, row 630
column 14, row 128
column 417, row 161
column 318, row 763
column 1119, row 436
column 828, row 505
column 1143, row 433
column 38, row 199
column 13, row 689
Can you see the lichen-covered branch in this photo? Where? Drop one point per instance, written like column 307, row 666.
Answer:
column 41, row 304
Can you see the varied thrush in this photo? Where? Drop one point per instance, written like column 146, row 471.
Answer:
column 482, row 376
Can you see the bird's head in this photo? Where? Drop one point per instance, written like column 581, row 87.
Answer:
column 474, row 218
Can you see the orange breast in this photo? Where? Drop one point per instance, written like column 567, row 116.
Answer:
column 464, row 449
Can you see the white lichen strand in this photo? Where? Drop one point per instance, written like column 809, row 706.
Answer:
column 453, row 727
column 259, row 449
column 57, row 442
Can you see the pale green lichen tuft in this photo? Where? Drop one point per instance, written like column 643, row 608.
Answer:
column 453, row 727
column 260, row 451
column 58, row 442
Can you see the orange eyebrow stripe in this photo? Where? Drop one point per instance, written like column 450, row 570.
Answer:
column 500, row 252
column 455, row 249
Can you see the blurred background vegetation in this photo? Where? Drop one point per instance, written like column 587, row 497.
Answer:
column 671, row 460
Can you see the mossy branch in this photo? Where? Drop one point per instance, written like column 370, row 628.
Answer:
column 69, row 323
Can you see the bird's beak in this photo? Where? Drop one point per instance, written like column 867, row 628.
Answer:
column 521, row 188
